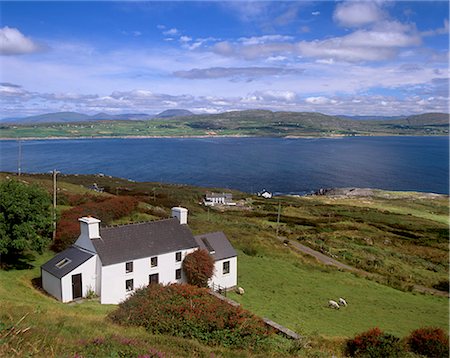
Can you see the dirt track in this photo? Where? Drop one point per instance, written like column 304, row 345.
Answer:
column 332, row 262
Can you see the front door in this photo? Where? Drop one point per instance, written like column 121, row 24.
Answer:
column 152, row 279
column 76, row 286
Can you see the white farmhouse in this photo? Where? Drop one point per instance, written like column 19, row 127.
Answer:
column 265, row 194
column 113, row 261
column 212, row 199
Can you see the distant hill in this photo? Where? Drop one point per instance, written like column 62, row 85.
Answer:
column 53, row 117
column 171, row 113
column 66, row 117
column 180, row 122
column 371, row 118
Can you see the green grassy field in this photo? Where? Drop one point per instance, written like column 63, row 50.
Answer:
column 296, row 295
column 404, row 231
column 44, row 327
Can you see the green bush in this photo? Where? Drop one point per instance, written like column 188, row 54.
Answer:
column 429, row 341
column 192, row 312
column 374, row 344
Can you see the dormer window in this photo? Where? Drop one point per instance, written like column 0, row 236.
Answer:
column 63, row 262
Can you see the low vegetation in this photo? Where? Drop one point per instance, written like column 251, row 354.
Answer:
column 192, row 312
column 429, row 342
column 374, row 344
column 402, row 238
column 105, row 208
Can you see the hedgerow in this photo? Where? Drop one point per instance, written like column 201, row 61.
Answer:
column 192, row 312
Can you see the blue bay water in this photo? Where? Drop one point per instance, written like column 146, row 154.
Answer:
column 280, row 165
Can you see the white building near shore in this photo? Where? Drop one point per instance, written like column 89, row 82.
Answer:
column 113, row 261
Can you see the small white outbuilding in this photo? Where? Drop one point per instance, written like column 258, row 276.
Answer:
column 113, row 261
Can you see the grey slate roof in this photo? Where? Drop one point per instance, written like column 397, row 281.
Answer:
column 220, row 244
column 219, row 195
column 74, row 254
column 136, row 241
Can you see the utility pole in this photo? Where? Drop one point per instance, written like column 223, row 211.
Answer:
column 278, row 217
column 54, row 172
column 19, row 159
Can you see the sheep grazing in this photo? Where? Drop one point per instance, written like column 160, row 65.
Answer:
column 342, row 302
column 333, row 304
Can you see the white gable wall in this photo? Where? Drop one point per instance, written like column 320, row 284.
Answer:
column 228, row 280
column 51, row 284
column 88, row 279
column 114, row 277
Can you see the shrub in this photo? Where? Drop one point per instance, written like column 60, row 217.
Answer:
column 374, row 344
column 191, row 312
column 107, row 210
column 198, row 267
column 429, row 341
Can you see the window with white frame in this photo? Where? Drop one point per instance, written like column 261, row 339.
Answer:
column 129, row 285
column 178, row 256
column 129, row 267
column 226, row 267
column 178, row 274
column 154, row 261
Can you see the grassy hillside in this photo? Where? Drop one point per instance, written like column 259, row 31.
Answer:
column 401, row 238
column 249, row 123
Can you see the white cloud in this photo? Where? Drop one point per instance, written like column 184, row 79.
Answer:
column 171, row 32
column 185, row 39
column 317, row 100
column 256, row 40
column 378, row 44
column 355, row 14
column 440, row 31
column 242, row 73
column 13, row 42
column 315, row 13
column 12, row 90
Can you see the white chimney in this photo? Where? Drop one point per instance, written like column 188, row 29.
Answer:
column 181, row 214
column 89, row 227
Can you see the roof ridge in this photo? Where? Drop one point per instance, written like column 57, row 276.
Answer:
column 136, row 223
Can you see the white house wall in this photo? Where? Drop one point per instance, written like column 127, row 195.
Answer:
column 51, row 284
column 224, row 280
column 88, row 279
column 113, row 277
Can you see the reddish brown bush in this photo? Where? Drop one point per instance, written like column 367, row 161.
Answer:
column 68, row 227
column 374, row 344
column 191, row 312
column 429, row 341
column 198, row 267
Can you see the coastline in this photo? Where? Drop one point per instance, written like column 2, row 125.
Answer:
column 334, row 136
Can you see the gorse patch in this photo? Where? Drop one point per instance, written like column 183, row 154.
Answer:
column 192, row 312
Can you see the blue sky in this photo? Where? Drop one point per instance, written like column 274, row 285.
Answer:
column 334, row 57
